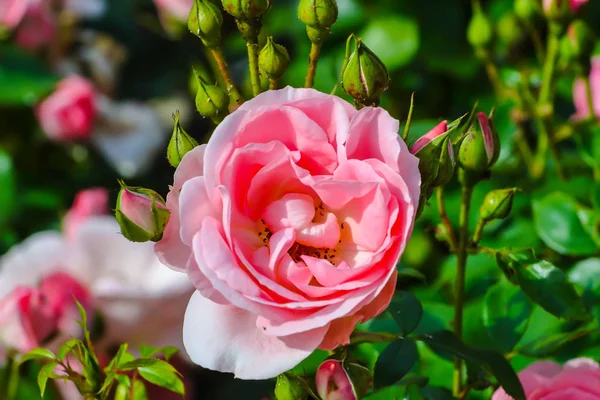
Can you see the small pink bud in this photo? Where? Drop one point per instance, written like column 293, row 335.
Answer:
column 141, row 213
column 69, row 113
column 421, row 142
column 87, row 203
column 488, row 136
column 342, row 380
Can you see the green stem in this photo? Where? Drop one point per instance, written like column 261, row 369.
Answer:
column 234, row 94
column 409, row 118
column 549, row 66
column 546, row 142
column 525, row 150
column 313, row 60
column 459, row 287
column 590, row 97
column 253, row 65
column 439, row 195
column 537, row 41
column 479, row 231
column 272, row 84
column 13, row 380
column 492, row 71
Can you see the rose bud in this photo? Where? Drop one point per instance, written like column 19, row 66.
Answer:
column 289, row 388
column 180, row 143
column 273, row 59
column 479, row 150
column 479, row 31
column 497, row 204
column 509, row 29
column 318, row 16
column 364, row 76
column 527, row 10
column 561, row 11
column 205, row 21
column 211, row 100
column 244, row 10
column 337, row 380
column 141, row 213
column 87, row 203
column 69, row 112
column 580, row 96
column 436, row 156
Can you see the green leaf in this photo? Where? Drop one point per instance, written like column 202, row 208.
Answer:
column 7, row 187
column 411, row 273
column 45, row 373
column 36, row 354
column 118, row 358
column 506, row 315
column 493, row 361
column 124, row 392
column 394, row 362
column 558, row 224
column 147, row 363
column 435, row 393
column 149, row 351
column 162, row 377
column 406, row 310
column 24, row 80
column 394, row 39
column 66, row 347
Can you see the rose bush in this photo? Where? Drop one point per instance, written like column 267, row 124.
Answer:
column 289, row 222
column 577, row 379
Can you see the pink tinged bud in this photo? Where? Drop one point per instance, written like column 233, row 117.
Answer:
column 421, row 142
column 333, row 383
column 488, row 135
column 576, row 4
column 141, row 213
column 69, row 113
column 87, row 203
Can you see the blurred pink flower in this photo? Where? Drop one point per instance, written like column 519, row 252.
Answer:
column 87, row 203
column 577, row 379
column 289, row 222
column 580, row 92
column 38, row 26
column 178, row 9
column 69, row 112
column 12, row 12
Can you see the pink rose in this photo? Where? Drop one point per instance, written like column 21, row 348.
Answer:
column 178, row 9
column 29, row 316
column 38, row 26
column 87, row 203
column 289, row 222
column 12, row 12
column 580, row 93
column 69, row 112
column 578, row 379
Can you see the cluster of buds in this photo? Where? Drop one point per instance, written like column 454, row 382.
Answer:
column 318, row 16
column 248, row 15
column 364, row 76
column 479, row 150
column 342, row 380
column 141, row 213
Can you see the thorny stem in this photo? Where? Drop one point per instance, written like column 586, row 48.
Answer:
column 439, row 194
column 252, row 46
column 313, row 60
column 235, row 97
column 459, row 287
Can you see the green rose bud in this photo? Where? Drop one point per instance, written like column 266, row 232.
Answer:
column 288, row 387
column 180, row 143
column 141, row 213
column 497, row 204
column 527, row 10
column 479, row 150
column 273, row 59
column 211, row 100
column 205, row 21
column 436, row 156
column 364, row 77
column 244, row 10
column 479, row 31
column 509, row 29
column 318, row 16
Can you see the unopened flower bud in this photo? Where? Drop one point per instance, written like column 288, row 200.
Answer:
column 245, row 10
column 561, row 11
column 180, row 143
column 141, row 213
column 579, row 42
column 342, row 380
column 527, row 10
column 364, row 76
column 509, row 29
column 211, row 100
column 479, row 150
column 318, row 16
column 497, row 204
column 479, row 31
column 289, row 387
column 273, row 59
column 436, row 156
column 205, row 21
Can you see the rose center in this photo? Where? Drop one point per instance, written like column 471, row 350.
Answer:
column 298, row 250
